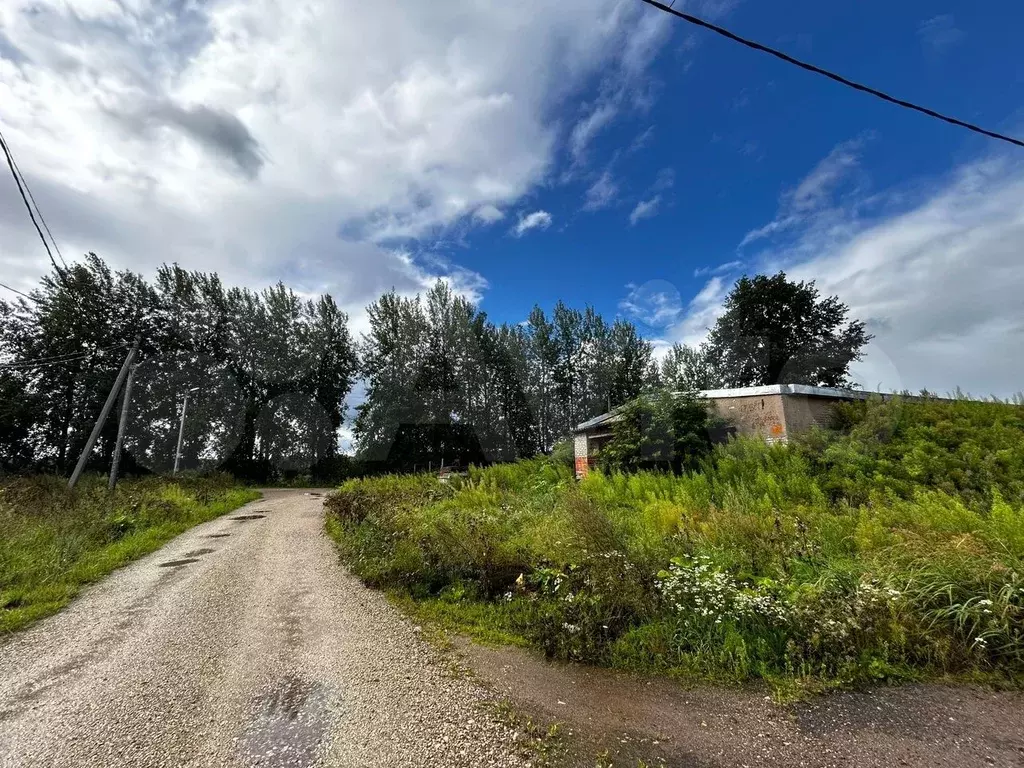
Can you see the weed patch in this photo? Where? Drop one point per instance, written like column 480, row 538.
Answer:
column 890, row 550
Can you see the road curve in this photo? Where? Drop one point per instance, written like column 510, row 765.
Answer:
column 240, row 643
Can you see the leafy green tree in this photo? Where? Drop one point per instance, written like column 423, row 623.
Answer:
column 776, row 331
column 663, row 429
column 242, row 352
column 542, row 356
column 685, row 369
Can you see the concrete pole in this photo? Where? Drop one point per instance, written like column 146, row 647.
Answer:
column 181, row 434
column 115, row 463
column 107, row 406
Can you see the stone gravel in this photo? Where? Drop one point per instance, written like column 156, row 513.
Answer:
column 261, row 651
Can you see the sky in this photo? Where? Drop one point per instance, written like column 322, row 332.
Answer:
column 594, row 151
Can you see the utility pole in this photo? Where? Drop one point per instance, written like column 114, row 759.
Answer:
column 181, row 430
column 111, row 399
column 115, row 463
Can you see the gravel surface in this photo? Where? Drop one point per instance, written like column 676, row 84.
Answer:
column 253, row 648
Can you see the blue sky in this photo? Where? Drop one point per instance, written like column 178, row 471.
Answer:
column 737, row 129
column 594, row 151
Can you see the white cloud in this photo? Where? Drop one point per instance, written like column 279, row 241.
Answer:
column 627, row 85
column 666, row 180
column 721, row 269
column 813, row 193
column 488, row 214
column 587, row 128
column 645, row 209
column 601, row 193
column 656, row 304
column 297, row 141
column 939, row 33
column 535, row 220
column 642, row 141
column 938, row 279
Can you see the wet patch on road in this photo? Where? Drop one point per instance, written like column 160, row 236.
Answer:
column 177, row 563
column 199, row 552
column 217, row 535
column 247, row 518
column 289, row 726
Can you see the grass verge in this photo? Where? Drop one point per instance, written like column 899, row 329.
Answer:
column 56, row 541
column 891, row 550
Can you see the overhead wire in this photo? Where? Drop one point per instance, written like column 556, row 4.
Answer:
column 71, row 357
column 20, row 293
column 39, row 210
column 690, row 18
column 24, row 198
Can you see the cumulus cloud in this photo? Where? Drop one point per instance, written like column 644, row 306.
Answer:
column 935, row 273
column 535, row 220
column 645, row 209
column 308, row 142
column 488, row 214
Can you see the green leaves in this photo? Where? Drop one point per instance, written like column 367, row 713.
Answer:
column 775, row 331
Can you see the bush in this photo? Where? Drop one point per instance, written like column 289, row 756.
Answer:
column 888, row 549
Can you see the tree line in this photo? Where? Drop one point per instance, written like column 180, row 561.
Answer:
column 267, row 374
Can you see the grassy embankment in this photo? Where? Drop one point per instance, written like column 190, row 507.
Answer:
column 52, row 541
column 890, row 550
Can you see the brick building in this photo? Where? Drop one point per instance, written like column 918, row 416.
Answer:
column 772, row 412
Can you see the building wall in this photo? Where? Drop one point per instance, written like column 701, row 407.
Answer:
column 772, row 417
column 804, row 413
column 581, row 451
column 763, row 416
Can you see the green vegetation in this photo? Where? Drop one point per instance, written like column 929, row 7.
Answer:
column 55, row 541
column 890, row 549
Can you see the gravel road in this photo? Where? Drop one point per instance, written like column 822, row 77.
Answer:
column 241, row 643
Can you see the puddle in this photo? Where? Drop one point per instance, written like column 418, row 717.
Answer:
column 289, row 726
column 199, row 552
column 176, row 563
column 246, row 518
column 217, row 535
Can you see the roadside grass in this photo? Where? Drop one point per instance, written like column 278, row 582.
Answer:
column 890, row 550
column 54, row 541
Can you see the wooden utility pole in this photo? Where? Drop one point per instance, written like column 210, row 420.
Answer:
column 115, row 463
column 107, row 406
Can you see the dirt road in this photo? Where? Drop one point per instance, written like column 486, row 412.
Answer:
column 633, row 721
column 241, row 643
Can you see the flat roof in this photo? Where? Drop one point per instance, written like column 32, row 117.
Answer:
column 790, row 389
column 771, row 389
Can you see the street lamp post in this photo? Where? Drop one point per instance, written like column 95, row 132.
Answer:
column 181, row 430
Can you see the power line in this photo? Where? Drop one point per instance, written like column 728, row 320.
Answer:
column 831, row 75
column 39, row 211
column 15, row 290
column 24, row 198
column 71, row 357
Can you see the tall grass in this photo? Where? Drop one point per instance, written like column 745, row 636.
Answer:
column 54, row 541
column 891, row 548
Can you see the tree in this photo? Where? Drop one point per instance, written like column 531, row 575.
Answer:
column 775, row 331
column 268, row 372
column 659, row 430
column 686, row 369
